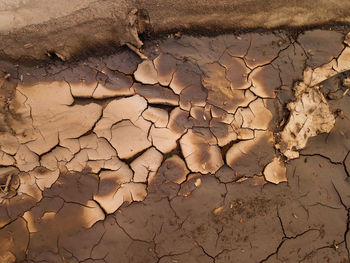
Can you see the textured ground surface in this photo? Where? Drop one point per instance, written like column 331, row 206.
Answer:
column 205, row 151
column 34, row 29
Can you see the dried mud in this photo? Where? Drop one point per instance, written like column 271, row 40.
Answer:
column 232, row 148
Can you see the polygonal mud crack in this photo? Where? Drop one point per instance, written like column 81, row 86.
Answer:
column 181, row 157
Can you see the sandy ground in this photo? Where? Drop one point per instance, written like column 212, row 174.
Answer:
column 32, row 29
column 193, row 154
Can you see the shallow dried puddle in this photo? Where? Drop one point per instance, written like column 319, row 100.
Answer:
column 224, row 149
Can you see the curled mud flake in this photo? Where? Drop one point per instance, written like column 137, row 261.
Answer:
column 220, row 92
column 146, row 73
column 275, row 172
column 241, row 180
column 129, row 139
column 113, row 164
column 146, row 165
column 165, row 65
column 26, row 160
column 29, row 217
column 265, row 81
column 116, row 84
column 347, row 39
column 158, row 116
column 310, row 115
column 92, row 213
column 343, row 61
column 316, row 76
column 257, row 116
column 236, row 71
column 137, row 51
column 201, row 152
column 118, row 110
column 164, row 139
column 157, row 94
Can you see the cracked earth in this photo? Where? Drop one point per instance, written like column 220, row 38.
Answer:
column 232, row 148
